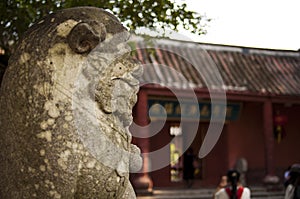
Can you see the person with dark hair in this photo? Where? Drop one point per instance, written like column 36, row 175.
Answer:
column 293, row 186
column 188, row 167
column 286, row 177
column 235, row 190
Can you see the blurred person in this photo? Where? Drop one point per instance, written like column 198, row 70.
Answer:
column 234, row 190
column 292, row 190
column 188, row 167
column 222, row 184
column 286, row 177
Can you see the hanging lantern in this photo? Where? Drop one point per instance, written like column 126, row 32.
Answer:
column 279, row 123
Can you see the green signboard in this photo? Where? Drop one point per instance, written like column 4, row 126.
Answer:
column 203, row 110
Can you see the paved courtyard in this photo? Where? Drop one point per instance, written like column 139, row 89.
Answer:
column 256, row 192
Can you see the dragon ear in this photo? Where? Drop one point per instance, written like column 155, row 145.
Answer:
column 83, row 37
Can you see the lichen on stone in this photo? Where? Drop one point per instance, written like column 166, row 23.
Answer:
column 66, row 103
column 47, row 135
column 64, row 28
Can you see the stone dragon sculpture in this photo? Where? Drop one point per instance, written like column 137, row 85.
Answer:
column 66, row 101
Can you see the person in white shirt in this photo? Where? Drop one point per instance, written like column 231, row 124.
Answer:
column 292, row 190
column 235, row 190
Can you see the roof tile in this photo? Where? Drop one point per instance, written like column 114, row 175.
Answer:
column 186, row 64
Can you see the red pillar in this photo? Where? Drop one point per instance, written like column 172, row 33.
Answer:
column 269, row 143
column 142, row 180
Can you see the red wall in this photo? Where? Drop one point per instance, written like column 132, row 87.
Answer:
column 215, row 164
column 161, row 177
column 241, row 138
column 246, row 140
column 287, row 151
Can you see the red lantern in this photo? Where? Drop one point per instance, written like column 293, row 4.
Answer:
column 279, row 123
column 280, row 119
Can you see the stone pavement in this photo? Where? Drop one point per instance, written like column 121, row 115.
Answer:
column 256, row 192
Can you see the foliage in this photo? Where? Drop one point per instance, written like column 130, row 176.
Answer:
column 17, row 15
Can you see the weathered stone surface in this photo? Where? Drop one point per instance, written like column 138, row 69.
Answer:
column 66, row 101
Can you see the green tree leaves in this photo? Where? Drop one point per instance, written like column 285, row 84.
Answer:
column 17, row 15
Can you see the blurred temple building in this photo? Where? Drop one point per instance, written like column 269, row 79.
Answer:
column 188, row 88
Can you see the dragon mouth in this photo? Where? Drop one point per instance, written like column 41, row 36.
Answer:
column 124, row 99
column 117, row 94
column 127, row 86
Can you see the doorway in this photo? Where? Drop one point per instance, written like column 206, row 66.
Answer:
column 176, row 149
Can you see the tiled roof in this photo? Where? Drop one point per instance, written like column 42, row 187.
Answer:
column 181, row 64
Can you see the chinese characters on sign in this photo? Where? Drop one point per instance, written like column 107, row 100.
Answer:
column 160, row 108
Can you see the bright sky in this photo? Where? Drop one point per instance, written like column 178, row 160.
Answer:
column 253, row 23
